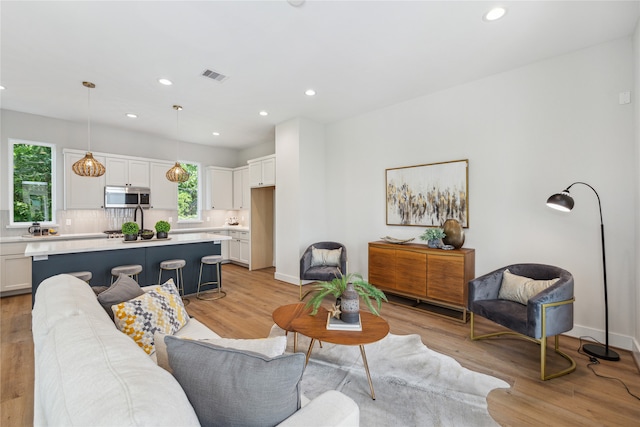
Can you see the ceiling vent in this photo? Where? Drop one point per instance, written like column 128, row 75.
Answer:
column 214, row 75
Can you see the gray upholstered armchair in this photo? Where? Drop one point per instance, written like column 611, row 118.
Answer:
column 545, row 314
column 318, row 269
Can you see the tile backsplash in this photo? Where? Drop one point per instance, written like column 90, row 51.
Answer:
column 98, row 220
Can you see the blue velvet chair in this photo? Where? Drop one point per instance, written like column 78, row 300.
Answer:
column 323, row 273
column 546, row 314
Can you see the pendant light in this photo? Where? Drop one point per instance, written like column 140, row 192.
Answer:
column 177, row 173
column 88, row 166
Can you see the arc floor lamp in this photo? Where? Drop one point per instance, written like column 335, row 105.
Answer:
column 564, row 202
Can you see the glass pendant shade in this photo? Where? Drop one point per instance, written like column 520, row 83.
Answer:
column 177, row 173
column 88, row 166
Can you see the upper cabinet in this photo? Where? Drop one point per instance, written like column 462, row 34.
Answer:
column 219, row 188
column 127, row 172
column 241, row 188
column 262, row 171
column 81, row 192
column 164, row 193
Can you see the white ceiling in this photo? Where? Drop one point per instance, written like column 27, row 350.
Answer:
column 358, row 56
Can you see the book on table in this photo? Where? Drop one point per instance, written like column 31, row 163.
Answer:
column 334, row 324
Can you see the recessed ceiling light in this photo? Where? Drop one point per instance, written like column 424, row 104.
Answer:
column 165, row 82
column 310, row 92
column 1, row 87
column 132, row 115
column 494, row 14
column 216, row 134
column 264, row 113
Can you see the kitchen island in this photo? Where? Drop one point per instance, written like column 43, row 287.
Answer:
column 51, row 257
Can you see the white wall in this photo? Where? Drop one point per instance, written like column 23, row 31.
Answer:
column 527, row 133
column 636, row 99
column 259, row 150
column 301, row 201
column 104, row 139
column 288, row 218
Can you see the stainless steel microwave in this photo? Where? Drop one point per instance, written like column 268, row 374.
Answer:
column 126, row 197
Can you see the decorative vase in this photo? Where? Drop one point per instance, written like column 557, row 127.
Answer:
column 161, row 235
column 434, row 243
column 454, row 233
column 350, row 305
column 130, row 237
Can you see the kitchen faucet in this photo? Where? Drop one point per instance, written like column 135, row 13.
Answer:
column 141, row 217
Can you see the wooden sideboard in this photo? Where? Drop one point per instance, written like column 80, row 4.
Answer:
column 422, row 277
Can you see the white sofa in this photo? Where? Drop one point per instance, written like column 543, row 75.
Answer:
column 89, row 373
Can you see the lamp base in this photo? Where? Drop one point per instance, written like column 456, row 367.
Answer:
column 601, row 352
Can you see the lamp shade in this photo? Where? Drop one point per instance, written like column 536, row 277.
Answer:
column 561, row 201
column 177, row 173
column 88, row 166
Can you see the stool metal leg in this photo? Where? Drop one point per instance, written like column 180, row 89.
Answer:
column 220, row 294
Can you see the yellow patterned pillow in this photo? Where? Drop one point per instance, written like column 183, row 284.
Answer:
column 159, row 310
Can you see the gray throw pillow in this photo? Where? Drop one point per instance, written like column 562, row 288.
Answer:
column 123, row 289
column 230, row 387
column 99, row 289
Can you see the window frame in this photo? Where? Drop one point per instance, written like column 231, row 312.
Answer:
column 54, row 186
column 198, row 218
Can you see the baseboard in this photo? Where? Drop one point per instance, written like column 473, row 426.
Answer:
column 287, row 278
column 635, row 352
column 620, row 341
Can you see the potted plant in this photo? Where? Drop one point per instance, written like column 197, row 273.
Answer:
column 146, row 234
column 343, row 283
column 162, row 229
column 433, row 236
column 130, row 230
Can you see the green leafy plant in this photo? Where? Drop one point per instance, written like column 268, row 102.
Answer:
column 337, row 286
column 130, row 228
column 433, row 233
column 162, row 227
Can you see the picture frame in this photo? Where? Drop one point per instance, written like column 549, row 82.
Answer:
column 429, row 194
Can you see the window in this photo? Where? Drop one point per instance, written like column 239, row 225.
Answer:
column 189, row 194
column 32, row 182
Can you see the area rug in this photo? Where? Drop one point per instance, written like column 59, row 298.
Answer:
column 414, row 386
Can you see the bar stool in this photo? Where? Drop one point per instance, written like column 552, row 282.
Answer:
column 130, row 270
column 215, row 260
column 82, row 275
column 177, row 265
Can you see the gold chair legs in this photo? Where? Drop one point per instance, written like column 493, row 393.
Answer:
column 305, row 294
column 541, row 342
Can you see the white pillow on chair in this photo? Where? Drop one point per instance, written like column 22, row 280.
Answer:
column 521, row 289
column 325, row 257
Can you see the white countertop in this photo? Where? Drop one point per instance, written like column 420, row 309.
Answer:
column 100, row 235
column 53, row 246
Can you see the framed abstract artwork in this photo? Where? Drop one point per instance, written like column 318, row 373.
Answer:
column 428, row 195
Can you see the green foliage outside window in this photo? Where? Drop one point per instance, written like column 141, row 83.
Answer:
column 32, row 176
column 188, row 194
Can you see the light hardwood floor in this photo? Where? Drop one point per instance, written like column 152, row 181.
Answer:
column 580, row 398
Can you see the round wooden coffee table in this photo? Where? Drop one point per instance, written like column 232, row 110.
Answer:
column 284, row 315
column 374, row 328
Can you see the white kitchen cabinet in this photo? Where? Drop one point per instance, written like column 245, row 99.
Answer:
column 82, row 192
column 224, row 246
column 15, row 269
column 164, row 193
column 239, row 247
column 219, row 188
column 262, row 171
column 241, row 188
column 127, row 172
